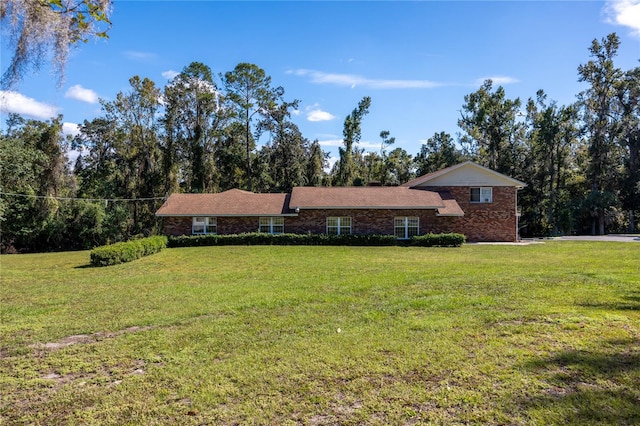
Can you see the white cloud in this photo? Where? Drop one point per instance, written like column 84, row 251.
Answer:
column 319, row 77
column 319, row 115
column 498, row 80
column 72, row 156
column 327, row 136
column 139, row 56
column 71, row 129
column 340, row 143
column 14, row 102
column 368, row 145
column 170, row 74
column 79, row 93
column 625, row 13
column 331, row 142
column 330, row 162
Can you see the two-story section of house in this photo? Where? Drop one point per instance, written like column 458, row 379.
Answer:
column 488, row 199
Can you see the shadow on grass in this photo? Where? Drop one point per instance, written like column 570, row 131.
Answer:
column 88, row 265
column 630, row 302
column 589, row 387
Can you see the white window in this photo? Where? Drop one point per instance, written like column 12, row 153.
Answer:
column 338, row 225
column 271, row 225
column 481, row 195
column 204, row 225
column 406, row 227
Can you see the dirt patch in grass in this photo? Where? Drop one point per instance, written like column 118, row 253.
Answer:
column 40, row 402
column 113, row 378
column 87, row 338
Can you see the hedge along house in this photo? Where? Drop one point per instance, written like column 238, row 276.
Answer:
column 466, row 198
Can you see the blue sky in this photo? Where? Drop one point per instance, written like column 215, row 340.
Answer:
column 416, row 60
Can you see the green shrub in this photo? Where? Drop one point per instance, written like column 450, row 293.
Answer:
column 127, row 251
column 361, row 240
column 193, row 240
column 259, row 238
column 438, row 240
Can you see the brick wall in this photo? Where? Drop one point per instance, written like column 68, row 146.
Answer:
column 177, row 225
column 494, row 221
column 239, row 225
column 315, row 222
column 226, row 225
column 362, row 221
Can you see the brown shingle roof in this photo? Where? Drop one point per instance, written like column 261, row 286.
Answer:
column 451, row 207
column 234, row 202
column 360, row 197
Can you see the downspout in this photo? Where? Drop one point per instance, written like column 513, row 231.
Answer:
column 517, row 215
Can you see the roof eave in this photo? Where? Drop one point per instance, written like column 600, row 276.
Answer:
column 227, row 215
column 369, row 207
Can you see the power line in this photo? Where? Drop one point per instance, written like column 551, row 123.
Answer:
column 113, row 200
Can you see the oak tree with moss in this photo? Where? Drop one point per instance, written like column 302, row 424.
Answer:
column 43, row 30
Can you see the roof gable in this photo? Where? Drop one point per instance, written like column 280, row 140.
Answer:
column 465, row 174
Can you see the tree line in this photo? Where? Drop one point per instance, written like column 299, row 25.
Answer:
column 201, row 134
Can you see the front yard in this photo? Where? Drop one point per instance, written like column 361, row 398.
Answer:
column 539, row 334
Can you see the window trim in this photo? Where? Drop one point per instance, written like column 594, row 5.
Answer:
column 405, row 226
column 209, row 222
column 481, row 199
column 340, row 227
column 273, row 223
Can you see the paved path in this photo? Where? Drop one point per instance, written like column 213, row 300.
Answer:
column 626, row 238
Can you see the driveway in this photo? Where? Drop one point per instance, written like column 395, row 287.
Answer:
column 625, row 238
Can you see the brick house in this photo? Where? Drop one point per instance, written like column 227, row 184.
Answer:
column 466, row 198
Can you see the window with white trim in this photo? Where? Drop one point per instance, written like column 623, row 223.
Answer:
column 271, row 225
column 481, row 195
column 338, row 225
column 406, row 227
column 204, row 225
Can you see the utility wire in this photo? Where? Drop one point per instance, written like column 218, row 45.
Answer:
column 113, row 200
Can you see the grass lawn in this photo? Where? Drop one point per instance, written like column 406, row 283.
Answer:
column 519, row 335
